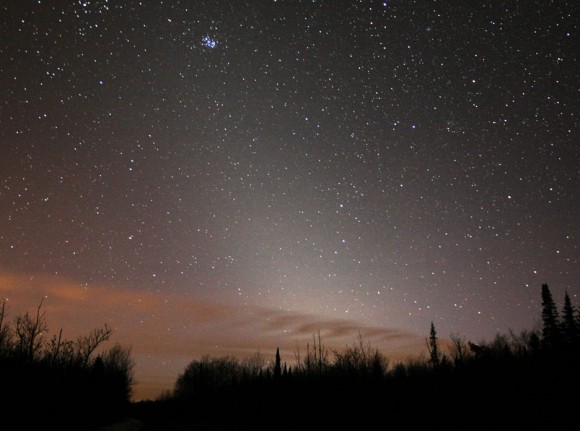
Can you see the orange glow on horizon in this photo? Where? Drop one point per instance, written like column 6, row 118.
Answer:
column 167, row 331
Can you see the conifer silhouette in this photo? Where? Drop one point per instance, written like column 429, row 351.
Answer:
column 433, row 346
column 277, row 366
column 569, row 323
column 550, row 319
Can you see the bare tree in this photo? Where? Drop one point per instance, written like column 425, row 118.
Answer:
column 29, row 332
column 88, row 344
column 253, row 364
column 361, row 359
column 317, row 358
column 53, row 349
column 298, row 358
column 459, row 349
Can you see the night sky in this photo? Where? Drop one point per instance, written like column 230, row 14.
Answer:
column 229, row 177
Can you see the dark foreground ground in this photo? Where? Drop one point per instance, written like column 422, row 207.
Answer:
column 510, row 395
column 439, row 405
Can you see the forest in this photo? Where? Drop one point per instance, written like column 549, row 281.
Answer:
column 526, row 380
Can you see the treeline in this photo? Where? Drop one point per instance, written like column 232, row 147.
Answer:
column 515, row 380
column 54, row 383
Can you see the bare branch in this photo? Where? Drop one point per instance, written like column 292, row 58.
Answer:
column 29, row 332
column 88, row 344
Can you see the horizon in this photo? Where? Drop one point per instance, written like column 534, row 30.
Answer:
column 161, row 354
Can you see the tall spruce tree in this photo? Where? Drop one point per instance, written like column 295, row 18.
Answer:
column 433, row 346
column 277, row 365
column 570, row 330
column 551, row 335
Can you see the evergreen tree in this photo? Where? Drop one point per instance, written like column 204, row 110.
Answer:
column 277, row 365
column 569, row 323
column 433, row 346
column 550, row 319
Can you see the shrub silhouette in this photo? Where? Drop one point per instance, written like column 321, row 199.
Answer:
column 62, row 381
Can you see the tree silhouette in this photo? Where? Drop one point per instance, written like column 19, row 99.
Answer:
column 4, row 330
column 61, row 380
column 550, row 319
column 29, row 331
column 277, row 365
column 518, row 369
column 88, row 344
column 569, row 323
column 433, row 346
